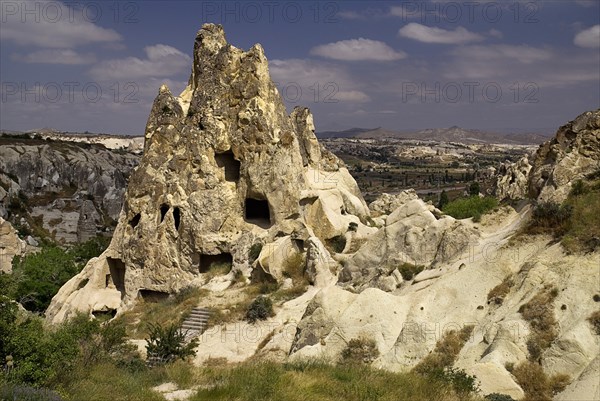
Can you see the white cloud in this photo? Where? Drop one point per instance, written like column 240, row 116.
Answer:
column 426, row 34
column 358, row 49
column 160, row 61
column 495, row 33
column 55, row 56
column 515, row 54
column 352, row 96
column 586, row 3
column 54, row 25
column 588, row 38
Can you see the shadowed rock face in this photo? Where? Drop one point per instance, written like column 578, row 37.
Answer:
column 224, row 166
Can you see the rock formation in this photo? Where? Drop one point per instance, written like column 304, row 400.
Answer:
column 60, row 183
column 10, row 246
column 549, row 173
column 224, row 167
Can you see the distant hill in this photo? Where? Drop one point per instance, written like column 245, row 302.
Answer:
column 452, row 134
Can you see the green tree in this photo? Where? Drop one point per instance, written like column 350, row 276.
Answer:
column 443, row 200
column 39, row 276
column 474, row 189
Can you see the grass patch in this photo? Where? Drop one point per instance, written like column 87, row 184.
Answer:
column 312, row 380
column 536, row 384
column 576, row 223
column 445, row 352
column 473, row 206
column 499, row 292
column 360, row 350
column 539, row 313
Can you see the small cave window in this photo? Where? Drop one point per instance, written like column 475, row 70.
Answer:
column 257, row 211
column 164, row 208
column 117, row 274
column 153, row 296
column 220, row 263
column 227, row 161
column 177, row 217
column 135, row 220
column 104, row 315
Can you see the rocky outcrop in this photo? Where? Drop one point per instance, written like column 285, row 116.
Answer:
column 10, row 246
column 386, row 203
column 72, row 189
column 415, row 233
column 224, row 167
column 512, row 181
column 549, row 173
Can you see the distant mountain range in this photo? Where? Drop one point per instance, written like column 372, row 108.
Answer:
column 452, row 134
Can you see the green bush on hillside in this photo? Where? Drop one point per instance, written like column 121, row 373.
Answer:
column 473, row 206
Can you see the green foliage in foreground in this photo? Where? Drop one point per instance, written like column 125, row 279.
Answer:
column 37, row 277
column 166, row 344
column 473, row 206
column 320, row 381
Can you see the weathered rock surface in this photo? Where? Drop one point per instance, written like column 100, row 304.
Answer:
column 10, row 245
column 550, row 172
column 224, row 167
column 413, row 234
column 74, row 189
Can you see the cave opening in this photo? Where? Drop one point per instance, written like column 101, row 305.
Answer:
column 135, row 220
column 117, row 274
column 257, row 211
column 231, row 166
column 177, row 217
column 219, row 263
column 164, row 208
column 153, row 296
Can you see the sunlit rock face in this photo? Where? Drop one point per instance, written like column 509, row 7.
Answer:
column 224, row 167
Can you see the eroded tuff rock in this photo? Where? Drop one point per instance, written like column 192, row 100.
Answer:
column 415, row 233
column 549, row 173
column 224, row 167
column 10, row 245
column 74, row 189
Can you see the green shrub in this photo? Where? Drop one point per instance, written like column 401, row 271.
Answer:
column 40, row 275
column 260, row 309
column 254, row 252
column 473, row 206
column 409, row 271
column 360, row 350
column 550, row 217
column 167, row 344
column 27, row 393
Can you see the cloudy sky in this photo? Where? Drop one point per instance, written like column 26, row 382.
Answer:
column 507, row 66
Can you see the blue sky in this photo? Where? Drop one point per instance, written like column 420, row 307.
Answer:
column 505, row 65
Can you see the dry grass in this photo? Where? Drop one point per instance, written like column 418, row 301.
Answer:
column 539, row 313
column 499, row 292
column 318, row 381
column 536, row 384
column 445, row 352
column 360, row 350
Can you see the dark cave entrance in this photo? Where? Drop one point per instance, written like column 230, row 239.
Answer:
column 135, row 220
column 177, row 217
column 117, row 274
column 257, row 211
column 164, row 208
column 153, row 296
column 221, row 262
column 227, row 161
